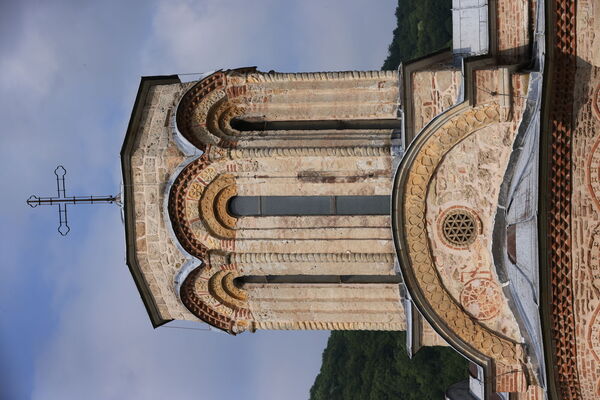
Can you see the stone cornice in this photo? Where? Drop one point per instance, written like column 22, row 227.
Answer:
column 129, row 143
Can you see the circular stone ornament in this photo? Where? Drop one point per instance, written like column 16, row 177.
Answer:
column 459, row 227
column 481, row 298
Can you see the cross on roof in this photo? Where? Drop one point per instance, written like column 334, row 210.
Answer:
column 62, row 200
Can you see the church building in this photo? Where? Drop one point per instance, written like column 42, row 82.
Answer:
column 456, row 199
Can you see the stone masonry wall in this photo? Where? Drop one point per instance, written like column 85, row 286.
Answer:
column 153, row 162
column 359, row 306
column 585, row 201
column 211, row 107
column 308, row 159
column 434, row 91
column 469, row 178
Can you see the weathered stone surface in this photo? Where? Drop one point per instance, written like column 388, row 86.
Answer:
column 585, row 211
column 469, row 177
column 154, row 159
column 464, row 316
column 435, row 90
column 314, row 160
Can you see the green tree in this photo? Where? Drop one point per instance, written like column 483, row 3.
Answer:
column 423, row 27
column 374, row 365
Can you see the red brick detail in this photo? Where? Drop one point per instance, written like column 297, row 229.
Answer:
column 486, row 85
column 181, row 226
column 513, row 30
column 236, row 91
column 190, row 299
column 185, row 112
column 510, row 379
column 481, row 298
column 562, row 320
column 533, row 393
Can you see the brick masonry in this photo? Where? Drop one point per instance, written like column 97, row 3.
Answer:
column 514, row 23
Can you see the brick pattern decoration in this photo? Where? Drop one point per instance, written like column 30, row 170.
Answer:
column 183, row 231
column 192, row 99
column 585, row 211
column 208, row 111
column 203, row 310
column 561, row 117
column 196, row 95
column 533, row 393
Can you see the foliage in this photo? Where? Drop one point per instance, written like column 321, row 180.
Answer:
column 365, row 365
column 423, row 27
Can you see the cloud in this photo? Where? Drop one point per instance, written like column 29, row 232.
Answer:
column 345, row 35
column 32, row 67
column 294, row 35
column 208, row 35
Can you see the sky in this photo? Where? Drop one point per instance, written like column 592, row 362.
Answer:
column 73, row 324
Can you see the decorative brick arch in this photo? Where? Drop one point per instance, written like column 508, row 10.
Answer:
column 245, row 105
column 177, row 207
column 448, row 317
column 209, row 294
column 204, row 112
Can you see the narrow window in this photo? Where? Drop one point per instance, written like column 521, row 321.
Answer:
column 241, row 206
column 241, row 124
column 317, row 279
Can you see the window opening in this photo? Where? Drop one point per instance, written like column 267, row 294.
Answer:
column 317, row 279
column 241, row 206
column 246, row 125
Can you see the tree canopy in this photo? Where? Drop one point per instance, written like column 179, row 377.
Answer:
column 423, row 27
column 366, row 365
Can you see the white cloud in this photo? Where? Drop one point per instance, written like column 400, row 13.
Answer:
column 345, row 35
column 203, row 36
column 294, row 35
column 33, row 67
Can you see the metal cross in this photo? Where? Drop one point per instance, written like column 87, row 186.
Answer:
column 62, row 200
